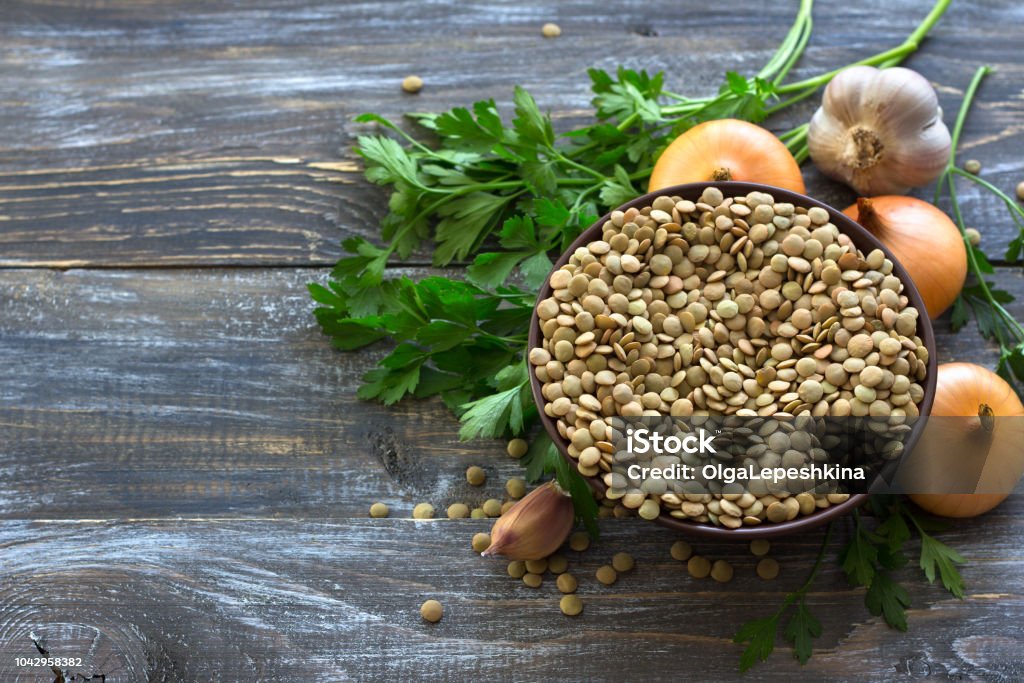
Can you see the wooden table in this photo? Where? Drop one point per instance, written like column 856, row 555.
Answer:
column 186, row 470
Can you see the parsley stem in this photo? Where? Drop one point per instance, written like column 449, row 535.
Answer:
column 817, row 563
column 889, row 57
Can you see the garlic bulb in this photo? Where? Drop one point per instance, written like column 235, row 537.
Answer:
column 879, row 131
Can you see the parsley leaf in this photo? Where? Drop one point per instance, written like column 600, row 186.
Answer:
column 888, row 599
column 801, row 630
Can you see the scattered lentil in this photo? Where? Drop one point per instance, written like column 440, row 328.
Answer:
column 973, row 236
column 432, row 611
column 681, row 551
column 579, row 541
column 507, row 505
column 550, row 30
column 607, row 575
column 533, row 580
column 423, row 511
column 458, row 511
column 972, row 166
column 767, row 569
column 412, row 84
column 379, row 510
column 557, row 564
column 537, row 566
column 515, row 487
column 1020, row 190
column 477, row 513
column 481, row 541
column 699, row 567
column 566, row 583
column 571, row 605
column 492, row 507
column 721, row 571
column 476, row 476
column 517, row 448
column 760, row 547
column 622, row 562
column 517, row 569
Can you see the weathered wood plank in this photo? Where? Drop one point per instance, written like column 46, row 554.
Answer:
column 278, row 600
column 212, row 392
column 176, row 133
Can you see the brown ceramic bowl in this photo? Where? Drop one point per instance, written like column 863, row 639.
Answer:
column 864, row 240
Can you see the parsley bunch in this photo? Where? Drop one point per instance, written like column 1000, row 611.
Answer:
column 868, row 560
column 505, row 197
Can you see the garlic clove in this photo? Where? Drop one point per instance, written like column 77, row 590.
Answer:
column 534, row 527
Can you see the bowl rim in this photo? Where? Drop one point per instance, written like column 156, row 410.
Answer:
column 864, row 241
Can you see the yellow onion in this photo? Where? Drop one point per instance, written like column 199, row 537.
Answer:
column 990, row 432
column 534, row 527
column 923, row 239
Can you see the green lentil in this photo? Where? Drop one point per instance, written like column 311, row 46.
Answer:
column 566, row 583
column 681, row 551
column 432, row 611
column 699, row 567
column 458, row 511
column 379, row 510
column 607, row 575
column 481, row 542
column 579, row 541
column 622, row 562
column 476, row 476
column 492, row 507
column 571, row 605
column 517, row 448
column 767, row 569
column 515, row 487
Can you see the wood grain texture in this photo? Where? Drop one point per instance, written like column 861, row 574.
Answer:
column 212, row 392
column 185, row 470
column 183, row 133
column 290, row 600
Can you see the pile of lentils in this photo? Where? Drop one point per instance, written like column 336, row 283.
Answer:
column 724, row 306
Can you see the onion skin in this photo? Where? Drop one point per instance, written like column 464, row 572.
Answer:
column 923, row 239
column 534, row 527
column 962, row 388
column 727, row 149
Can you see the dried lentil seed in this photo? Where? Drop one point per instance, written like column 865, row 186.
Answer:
column 579, row 541
column 412, row 84
column 379, row 510
column 699, row 567
column 571, row 605
column 681, row 551
column 517, row 569
column 721, row 571
column 492, row 507
column 481, row 541
column 566, row 583
column 550, row 30
column 760, row 547
column 476, row 476
column 458, row 511
column 423, row 511
column 607, row 575
column 622, row 562
column 432, row 611
column 517, row 448
column 533, row 580
column 768, row 569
